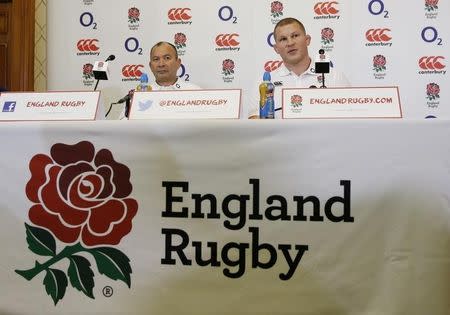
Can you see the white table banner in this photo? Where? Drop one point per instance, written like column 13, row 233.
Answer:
column 79, row 105
column 225, row 217
column 198, row 104
column 376, row 102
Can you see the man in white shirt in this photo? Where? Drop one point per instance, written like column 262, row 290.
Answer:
column 164, row 63
column 291, row 43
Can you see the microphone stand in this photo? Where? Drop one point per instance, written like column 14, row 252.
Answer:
column 96, row 84
column 110, row 107
column 127, row 108
column 323, row 81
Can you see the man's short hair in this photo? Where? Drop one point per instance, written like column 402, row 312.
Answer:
column 167, row 43
column 287, row 21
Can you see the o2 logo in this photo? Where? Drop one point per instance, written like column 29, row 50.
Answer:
column 430, row 35
column 87, row 20
column 271, row 40
column 376, row 7
column 226, row 14
column 132, row 45
column 182, row 73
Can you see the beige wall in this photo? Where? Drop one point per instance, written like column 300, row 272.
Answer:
column 40, row 48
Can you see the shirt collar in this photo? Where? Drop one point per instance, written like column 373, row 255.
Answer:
column 174, row 86
column 285, row 71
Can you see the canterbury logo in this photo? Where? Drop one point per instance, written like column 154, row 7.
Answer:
column 130, row 71
column 179, row 14
column 431, row 63
column 272, row 65
column 227, row 40
column 322, row 8
column 87, row 45
column 378, row 35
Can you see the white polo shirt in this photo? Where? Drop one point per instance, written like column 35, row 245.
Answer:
column 179, row 85
column 284, row 78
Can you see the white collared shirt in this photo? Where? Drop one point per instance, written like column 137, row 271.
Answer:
column 179, row 85
column 284, row 78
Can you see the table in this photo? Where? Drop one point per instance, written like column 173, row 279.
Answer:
column 225, row 217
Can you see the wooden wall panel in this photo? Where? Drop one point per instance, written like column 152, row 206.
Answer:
column 5, row 30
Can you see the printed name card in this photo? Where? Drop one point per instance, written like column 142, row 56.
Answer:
column 355, row 102
column 194, row 104
column 27, row 106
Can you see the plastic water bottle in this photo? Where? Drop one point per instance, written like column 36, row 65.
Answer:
column 266, row 101
column 143, row 85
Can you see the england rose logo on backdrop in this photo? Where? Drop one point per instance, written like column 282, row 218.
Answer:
column 228, row 70
column 379, row 66
column 431, row 5
column 133, row 18
column 81, row 205
column 179, row 40
column 276, row 11
column 433, row 91
column 88, row 74
column 431, row 8
column 327, row 35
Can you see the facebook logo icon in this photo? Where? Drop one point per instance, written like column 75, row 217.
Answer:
column 9, row 107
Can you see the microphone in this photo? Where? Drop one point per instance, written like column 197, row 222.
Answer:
column 110, row 58
column 127, row 98
column 322, row 65
column 101, row 71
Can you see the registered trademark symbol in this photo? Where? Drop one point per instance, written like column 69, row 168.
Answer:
column 108, row 291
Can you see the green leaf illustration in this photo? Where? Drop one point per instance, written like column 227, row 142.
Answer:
column 55, row 282
column 81, row 275
column 40, row 241
column 112, row 263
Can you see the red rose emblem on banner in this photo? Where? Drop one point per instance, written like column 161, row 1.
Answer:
column 228, row 67
column 133, row 15
column 296, row 100
column 433, row 91
column 276, row 9
column 180, row 40
column 379, row 63
column 431, row 5
column 88, row 71
column 327, row 35
column 81, row 197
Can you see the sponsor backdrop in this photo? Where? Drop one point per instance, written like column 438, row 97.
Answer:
column 227, row 44
column 89, row 225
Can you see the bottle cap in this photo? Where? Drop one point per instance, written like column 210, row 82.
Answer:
column 144, row 78
column 266, row 76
